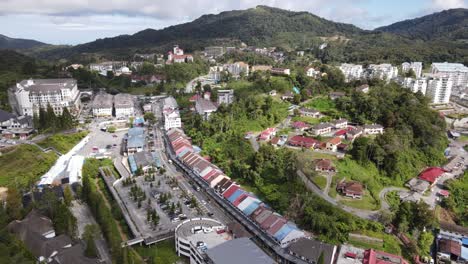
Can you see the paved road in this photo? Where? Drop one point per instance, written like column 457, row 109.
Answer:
column 383, row 193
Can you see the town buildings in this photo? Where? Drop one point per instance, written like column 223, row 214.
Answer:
column 372, row 256
column 351, row 71
column 439, row 88
column 456, row 72
column 383, row 71
column 416, row 84
column 240, row 250
column 280, row 71
column 237, row 68
column 205, row 108
column 312, row 72
column 309, row 112
column 102, row 105
column 452, row 244
column 373, row 129
column 225, row 96
column 15, row 126
column 303, row 142
column 214, row 52
column 177, row 56
column 322, row 128
column 262, row 68
column 107, row 66
column 171, row 113
column 135, row 140
column 28, row 96
column 124, row 105
column 415, row 66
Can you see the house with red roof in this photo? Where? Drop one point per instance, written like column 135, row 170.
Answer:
column 302, row 141
column 332, row 144
column 324, row 165
column 372, row 256
column 267, row 134
column 299, row 125
column 431, row 174
column 341, row 133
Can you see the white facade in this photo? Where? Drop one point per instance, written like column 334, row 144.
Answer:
column 457, row 72
column 237, row 68
column 123, row 104
column 351, row 71
column 102, row 105
column 225, row 97
column 439, row 88
column 383, row 71
column 194, row 237
column 416, row 85
column 311, row 72
column 28, row 96
column 415, row 66
column 172, row 120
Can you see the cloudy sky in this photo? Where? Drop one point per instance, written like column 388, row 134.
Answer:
column 80, row 21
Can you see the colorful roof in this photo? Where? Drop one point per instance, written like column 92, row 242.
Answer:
column 230, row 191
column 431, row 174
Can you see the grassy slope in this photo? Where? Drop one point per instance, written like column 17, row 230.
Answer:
column 162, row 252
column 24, row 164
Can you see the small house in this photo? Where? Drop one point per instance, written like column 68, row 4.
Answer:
column 322, row 128
column 373, row 129
column 324, row 165
column 332, row 144
column 309, row 112
column 340, row 123
column 351, row 189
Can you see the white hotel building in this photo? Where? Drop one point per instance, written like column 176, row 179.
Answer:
column 351, row 71
column 28, row 96
column 457, row 72
column 439, row 88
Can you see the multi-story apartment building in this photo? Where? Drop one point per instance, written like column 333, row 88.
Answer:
column 28, row 96
column 416, row 85
column 214, row 51
column 351, row 71
column 225, row 96
column 415, row 66
column 102, row 105
column 383, row 71
column 457, row 72
column 439, row 88
column 237, row 68
column 171, row 114
column 123, row 104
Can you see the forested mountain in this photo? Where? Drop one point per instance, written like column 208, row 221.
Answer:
column 267, row 26
column 18, row 44
column 449, row 25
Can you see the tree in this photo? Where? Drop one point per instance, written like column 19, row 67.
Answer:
column 66, row 119
column 13, row 204
column 410, row 74
column 111, row 129
column 297, row 99
column 67, row 195
column 149, row 116
column 89, row 235
column 425, row 242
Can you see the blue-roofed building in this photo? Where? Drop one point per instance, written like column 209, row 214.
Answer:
column 135, row 131
column 251, row 207
column 235, row 195
column 144, row 160
column 156, row 159
column 196, row 149
column 288, row 233
column 135, row 140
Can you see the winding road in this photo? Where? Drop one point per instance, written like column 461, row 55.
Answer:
column 365, row 214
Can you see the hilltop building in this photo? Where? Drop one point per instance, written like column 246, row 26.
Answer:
column 456, row 72
column 351, row 71
column 415, row 66
column 225, row 97
column 439, row 88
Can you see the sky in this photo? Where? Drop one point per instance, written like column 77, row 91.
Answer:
column 80, row 21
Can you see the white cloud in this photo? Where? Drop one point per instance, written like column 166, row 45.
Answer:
column 448, row 4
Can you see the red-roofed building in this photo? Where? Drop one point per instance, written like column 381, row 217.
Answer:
column 431, row 174
column 194, row 98
column 300, row 125
column 350, row 189
column 301, row 141
column 268, row 133
column 230, row 191
column 341, row 133
column 324, row 165
column 372, row 256
column 332, row 144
